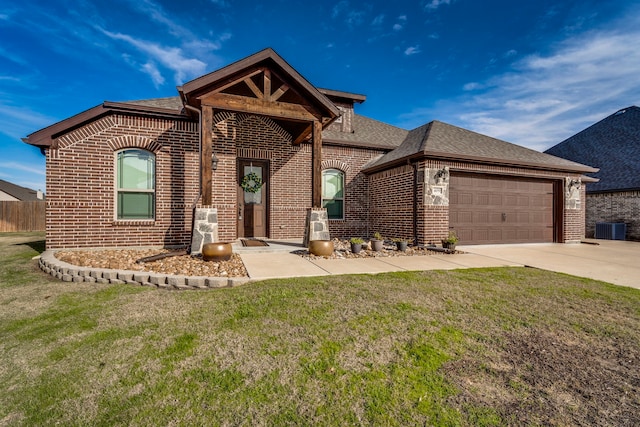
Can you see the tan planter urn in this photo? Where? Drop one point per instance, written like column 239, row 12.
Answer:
column 321, row 247
column 218, row 251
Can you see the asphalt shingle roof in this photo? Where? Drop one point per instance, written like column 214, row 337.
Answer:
column 369, row 133
column 445, row 140
column 435, row 139
column 170, row 103
column 613, row 145
column 21, row 193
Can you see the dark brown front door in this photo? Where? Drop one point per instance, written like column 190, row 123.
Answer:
column 252, row 198
column 496, row 209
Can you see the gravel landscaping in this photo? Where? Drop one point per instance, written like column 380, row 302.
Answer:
column 126, row 259
column 187, row 265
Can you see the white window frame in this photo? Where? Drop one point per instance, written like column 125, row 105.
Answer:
column 118, row 190
column 343, row 198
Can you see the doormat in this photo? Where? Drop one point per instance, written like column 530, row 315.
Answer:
column 253, row 242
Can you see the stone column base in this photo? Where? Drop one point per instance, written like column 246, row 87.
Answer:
column 205, row 229
column 316, row 226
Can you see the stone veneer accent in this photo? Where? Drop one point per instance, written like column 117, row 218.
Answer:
column 572, row 194
column 317, row 226
column 73, row 273
column 205, row 229
column 436, row 182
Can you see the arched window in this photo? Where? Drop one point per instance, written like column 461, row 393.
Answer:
column 135, row 184
column 333, row 193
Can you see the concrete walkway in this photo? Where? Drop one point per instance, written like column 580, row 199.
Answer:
column 615, row 262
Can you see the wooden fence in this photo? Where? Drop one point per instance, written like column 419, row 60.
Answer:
column 22, row 216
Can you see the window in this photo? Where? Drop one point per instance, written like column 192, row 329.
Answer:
column 333, row 193
column 135, row 181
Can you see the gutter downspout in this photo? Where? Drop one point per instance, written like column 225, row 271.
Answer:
column 195, row 202
column 415, row 203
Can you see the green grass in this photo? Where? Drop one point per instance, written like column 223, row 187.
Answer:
column 463, row 347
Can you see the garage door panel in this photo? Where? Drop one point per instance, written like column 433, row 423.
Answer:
column 510, row 200
column 482, row 199
column 496, row 209
column 465, row 216
column 496, row 199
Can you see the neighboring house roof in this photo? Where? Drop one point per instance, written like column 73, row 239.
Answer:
column 21, row 193
column 441, row 140
column 612, row 145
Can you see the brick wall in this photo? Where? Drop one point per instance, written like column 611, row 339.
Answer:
column 255, row 137
column 356, row 213
column 614, row 207
column 81, row 183
column 574, row 221
column 391, row 206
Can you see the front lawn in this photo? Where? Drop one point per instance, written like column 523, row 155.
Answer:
column 467, row 347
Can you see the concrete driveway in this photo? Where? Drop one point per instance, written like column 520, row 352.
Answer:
column 611, row 261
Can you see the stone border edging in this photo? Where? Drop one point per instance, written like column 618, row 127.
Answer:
column 73, row 273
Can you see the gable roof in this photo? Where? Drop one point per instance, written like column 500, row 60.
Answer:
column 613, row 145
column 441, row 140
column 244, row 68
column 21, row 193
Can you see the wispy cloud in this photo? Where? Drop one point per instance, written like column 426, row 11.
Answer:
column 412, row 50
column 434, row 4
column 399, row 25
column 544, row 99
column 351, row 16
column 220, row 3
column 172, row 58
column 12, row 56
column 152, row 70
column 378, row 20
column 185, row 60
column 17, row 122
column 339, row 9
column 15, row 166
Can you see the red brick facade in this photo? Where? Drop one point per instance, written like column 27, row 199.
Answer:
column 242, row 136
column 357, row 197
column 623, row 207
column 81, row 183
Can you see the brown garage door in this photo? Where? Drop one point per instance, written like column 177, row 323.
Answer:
column 495, row 209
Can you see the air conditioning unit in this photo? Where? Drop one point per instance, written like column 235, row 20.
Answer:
column 611, row 230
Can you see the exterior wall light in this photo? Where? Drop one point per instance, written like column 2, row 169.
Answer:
column 214, row 161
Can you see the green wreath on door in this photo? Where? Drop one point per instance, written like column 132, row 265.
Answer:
column 251, row 183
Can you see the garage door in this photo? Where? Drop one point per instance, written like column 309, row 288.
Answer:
column 494, row 209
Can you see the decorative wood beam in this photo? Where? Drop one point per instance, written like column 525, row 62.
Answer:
column 267, row 84
column 278, row 93
column 305, row 133
column 205, row 158
column 257, row 92
column 236, row 81
column 316, row 172
column 285, row 110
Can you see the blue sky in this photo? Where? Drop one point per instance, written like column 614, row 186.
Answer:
column 529, row 72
